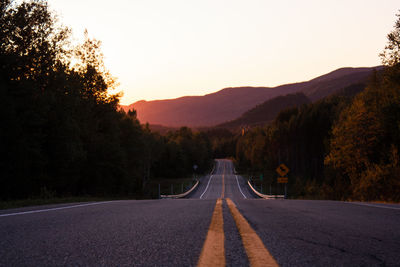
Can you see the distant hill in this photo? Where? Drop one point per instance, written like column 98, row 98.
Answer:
column 230, row 103
column 351, row 90
column 267, row 111
column 163, row 130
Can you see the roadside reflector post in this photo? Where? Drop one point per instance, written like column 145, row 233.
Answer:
column 285, row 191
column 159, row 191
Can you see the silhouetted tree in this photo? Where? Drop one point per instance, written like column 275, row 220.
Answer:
column 61, row 130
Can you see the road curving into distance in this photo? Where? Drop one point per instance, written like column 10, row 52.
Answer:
column 221, row 223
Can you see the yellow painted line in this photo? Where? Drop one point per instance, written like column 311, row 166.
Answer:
column 257, row 253
column 213, row 252
column 223, row 184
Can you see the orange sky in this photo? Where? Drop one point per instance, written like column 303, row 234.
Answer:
column 165, row 49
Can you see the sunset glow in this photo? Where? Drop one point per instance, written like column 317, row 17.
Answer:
column 166, row 49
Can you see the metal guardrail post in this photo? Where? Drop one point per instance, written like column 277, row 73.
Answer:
column 183, row 194
column 262, row 195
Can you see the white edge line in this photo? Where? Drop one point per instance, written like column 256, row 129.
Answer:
column 372, row 205
column 213, row 169
column 211, row 175
column 239, row 187
column 52, row 209
column 209, row 180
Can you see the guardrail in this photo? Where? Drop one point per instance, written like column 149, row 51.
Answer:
column 183, row 194
column 262, row 195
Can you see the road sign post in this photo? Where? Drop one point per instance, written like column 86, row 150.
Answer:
column 282, row 180
column 194, row 170
column 285, row 192
column 283, row 170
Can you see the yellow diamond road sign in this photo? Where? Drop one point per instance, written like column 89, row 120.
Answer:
column 282, row 170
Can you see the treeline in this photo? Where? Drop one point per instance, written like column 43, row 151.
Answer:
column 62, row 133
column 299, row 138
column 223, row 142
column 341, row 147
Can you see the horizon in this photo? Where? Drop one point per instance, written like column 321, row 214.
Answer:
column 160, row 50
column 247, row 86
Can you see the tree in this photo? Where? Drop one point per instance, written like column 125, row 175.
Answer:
column 62, row 132
column 391, row 55
column 365, row 141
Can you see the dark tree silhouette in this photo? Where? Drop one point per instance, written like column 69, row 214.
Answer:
column 62, row 133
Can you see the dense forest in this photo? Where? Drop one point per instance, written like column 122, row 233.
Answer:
column 344, row 146
column 62, row 133
column 267, row 111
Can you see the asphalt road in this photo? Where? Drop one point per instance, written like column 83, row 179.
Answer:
column 235, row 187
column 172, row 232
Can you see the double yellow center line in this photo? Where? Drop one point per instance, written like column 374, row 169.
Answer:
column 223, row 184
column 257, row 253
column 213, row 252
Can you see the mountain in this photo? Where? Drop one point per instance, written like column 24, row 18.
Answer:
column 230, row 103
column 267, row 111
column 351, row 90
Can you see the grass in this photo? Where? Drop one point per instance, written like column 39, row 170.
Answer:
column 264, row 186
column 374, row 201
column 167, row 186
column 171, row 186
column 46, row 201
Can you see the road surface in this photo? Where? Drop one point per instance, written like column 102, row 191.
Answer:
column 221, row 223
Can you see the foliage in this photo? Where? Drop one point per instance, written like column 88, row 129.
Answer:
column 62, row 133
column 267, row 111
column 391, row 55
column 365, row 142
column 181, row 150
column 223, row 142
column 342, row 147
column 298, row 137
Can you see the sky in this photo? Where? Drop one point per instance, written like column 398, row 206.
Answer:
column 161, row 49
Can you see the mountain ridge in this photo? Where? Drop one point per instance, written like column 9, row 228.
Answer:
column 231, row 102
